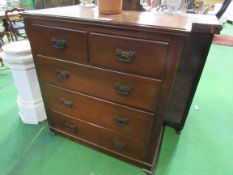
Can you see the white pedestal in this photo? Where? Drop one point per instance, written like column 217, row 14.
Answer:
column 18, row 57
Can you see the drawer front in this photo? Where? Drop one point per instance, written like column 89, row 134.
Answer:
column 127, row 54
column 60, row 43
column 122, row 88
column 97, row 136
column 129, row 121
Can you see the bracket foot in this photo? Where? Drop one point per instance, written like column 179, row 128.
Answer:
column 148, row 172
column 178, row 132
column 52, row 132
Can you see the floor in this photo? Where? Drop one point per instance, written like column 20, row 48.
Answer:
column 205, row 146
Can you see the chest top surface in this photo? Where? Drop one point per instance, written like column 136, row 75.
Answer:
column 150, row 20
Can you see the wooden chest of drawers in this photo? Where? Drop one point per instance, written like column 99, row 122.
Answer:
column 106, row 80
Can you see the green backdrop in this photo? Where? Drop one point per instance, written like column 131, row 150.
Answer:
column 31, row 2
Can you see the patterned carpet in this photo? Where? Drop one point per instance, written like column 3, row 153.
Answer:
column 224, row 40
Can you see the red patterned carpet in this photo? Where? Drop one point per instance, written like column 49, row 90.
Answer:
column 225, row 40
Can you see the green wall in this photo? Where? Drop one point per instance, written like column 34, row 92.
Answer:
column 31, row 2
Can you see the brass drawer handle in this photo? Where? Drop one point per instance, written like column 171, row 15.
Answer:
column 62, row 74
column 66, row 103
column 122, row 89
column 70, row 127
column 120, row 120
column 59, row 44
column 125, row 56
column 118, row 145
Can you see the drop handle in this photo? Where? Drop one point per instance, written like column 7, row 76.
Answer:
column 70, row 127
column 120, row 120
column 59, row 44
column 118, row 145
column 66, row 103
column 122, row 89
column 125, row 56
column 62, row 74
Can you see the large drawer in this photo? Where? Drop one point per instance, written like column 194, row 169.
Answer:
column 61, row 43
column 130, row 55
column 95, row 135
column 118, row 118
column 118, row 87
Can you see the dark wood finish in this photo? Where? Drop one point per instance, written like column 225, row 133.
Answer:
column 88, row 132
column 133, row 5
column 180, row 24
column 61, row 43
column 101, row 83
column 102, row 113
column 187, row 78
column 81, row 96
column 151, row 53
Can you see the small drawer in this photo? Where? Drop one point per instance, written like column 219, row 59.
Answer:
column 95, row 135
column 128, row 121
column 126, row 89
column 61, row 43
column 130, row 55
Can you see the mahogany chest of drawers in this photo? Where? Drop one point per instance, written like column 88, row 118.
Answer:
column 107, row 81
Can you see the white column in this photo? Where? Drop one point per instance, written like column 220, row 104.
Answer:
column 17, row 56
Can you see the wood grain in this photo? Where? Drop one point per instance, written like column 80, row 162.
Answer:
column 101, row 83
column 85, row 88
column 97, row 135
column 100, row 112
column 149, row 55
column 75, row 42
